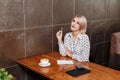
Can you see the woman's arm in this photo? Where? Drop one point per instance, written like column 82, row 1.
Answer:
column 84, row 53
column 60, row 42
column 62, row 49
column 62, row 46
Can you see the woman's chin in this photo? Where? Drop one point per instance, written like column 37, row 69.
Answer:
column 72, row 29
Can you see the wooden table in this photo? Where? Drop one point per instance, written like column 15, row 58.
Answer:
column 57, row 72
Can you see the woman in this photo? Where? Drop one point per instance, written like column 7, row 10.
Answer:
column 76, row 43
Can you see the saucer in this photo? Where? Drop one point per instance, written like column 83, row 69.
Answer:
column 44, row 65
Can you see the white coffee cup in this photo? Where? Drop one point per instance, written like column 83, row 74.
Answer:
column 44, row 61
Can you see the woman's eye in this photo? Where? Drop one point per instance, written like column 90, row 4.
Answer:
column 73, row 20
column 78, row 23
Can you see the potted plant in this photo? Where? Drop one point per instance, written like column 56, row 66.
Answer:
column 4, row 75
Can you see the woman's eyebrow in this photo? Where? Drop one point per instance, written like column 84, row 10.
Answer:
column 73, row 20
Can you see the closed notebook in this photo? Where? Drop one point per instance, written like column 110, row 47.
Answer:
column 77, row 72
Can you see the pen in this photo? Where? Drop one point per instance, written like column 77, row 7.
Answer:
column 61, row 28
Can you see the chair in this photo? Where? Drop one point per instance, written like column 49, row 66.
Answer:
column 115, row 51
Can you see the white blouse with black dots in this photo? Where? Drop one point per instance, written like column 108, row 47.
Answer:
column 80, row 48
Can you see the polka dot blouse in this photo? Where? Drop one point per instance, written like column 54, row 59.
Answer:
column 80, row 48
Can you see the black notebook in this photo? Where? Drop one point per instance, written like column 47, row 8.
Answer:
column 77, row 72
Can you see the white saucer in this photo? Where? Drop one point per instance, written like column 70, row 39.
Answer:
column 44, row 65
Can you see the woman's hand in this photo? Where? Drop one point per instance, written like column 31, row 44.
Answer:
column 69, row 53
column 59, row 36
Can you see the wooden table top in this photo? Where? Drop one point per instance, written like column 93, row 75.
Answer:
column 58, row 72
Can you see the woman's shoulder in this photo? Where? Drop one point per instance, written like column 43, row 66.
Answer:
column 83, row 36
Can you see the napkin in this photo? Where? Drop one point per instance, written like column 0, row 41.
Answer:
column 64, row 62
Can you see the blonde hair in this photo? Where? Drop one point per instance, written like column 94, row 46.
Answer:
column 83, row 23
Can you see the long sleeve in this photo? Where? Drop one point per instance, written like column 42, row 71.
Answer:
column 83, row 54
column 63, row 45
column 61, row 49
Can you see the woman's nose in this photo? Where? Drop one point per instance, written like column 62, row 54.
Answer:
column 74, row 23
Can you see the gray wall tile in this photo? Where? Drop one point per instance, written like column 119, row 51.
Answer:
column 38, row 13
column 111, row 27
column 99, row 9
column 62, row 11
column 38, row 40
column 97, row 32
column 11, row 47
column 113, row 9
column 83, row 7
column 11, row 14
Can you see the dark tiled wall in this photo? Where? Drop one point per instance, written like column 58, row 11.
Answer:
column 28, row 27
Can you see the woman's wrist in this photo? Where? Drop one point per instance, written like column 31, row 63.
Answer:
column 59, row 41
column 70, row 55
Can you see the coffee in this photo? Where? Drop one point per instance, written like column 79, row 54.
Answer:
column 44, row 61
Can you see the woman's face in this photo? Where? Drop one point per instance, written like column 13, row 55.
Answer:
column 75, row 24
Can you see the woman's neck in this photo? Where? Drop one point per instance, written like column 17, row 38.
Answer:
column 75, row 33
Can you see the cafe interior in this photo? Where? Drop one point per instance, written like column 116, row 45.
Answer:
column 28, row 28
